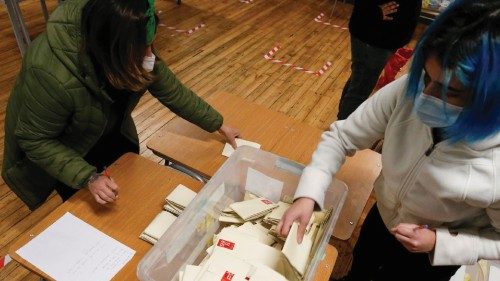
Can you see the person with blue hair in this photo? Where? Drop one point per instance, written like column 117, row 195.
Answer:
column 438, row 194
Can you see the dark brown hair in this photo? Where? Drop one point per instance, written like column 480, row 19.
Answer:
column 114, row 35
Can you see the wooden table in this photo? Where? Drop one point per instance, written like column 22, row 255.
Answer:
column 144, row 185
column 189, row 146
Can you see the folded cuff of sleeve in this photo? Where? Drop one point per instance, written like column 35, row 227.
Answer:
column 313, row 184
column 454, row 249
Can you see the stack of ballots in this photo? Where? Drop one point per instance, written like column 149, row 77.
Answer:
column 157, row 227
column 176, row 202
column 179, row 199
column 250, row 249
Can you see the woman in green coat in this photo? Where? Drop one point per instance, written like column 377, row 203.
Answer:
column 69, row 113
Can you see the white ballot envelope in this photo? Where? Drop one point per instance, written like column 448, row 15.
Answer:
column 249, row 232
column 249, row 250
column 298, row 254
column 222, row 266
column 190, row 273
column 253, row 209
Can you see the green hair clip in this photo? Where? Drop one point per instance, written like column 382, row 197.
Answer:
column 151, row 24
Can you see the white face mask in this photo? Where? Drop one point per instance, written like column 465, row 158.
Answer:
column 149, row 63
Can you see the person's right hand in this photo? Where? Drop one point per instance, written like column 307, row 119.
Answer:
column 301, row 211
column 104, row 189
column 388, row 9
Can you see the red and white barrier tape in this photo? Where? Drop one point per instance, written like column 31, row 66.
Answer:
column 319, row 19
column 246, row 1
column 270, row 57
column 183, row 31
column 4, row 261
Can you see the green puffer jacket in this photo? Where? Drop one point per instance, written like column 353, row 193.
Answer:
column 58, row 110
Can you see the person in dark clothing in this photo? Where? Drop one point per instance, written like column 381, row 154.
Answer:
column 378, row 28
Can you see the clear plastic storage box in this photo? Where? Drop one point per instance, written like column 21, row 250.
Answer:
column 186, row 240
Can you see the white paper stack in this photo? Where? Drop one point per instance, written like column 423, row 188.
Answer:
column 157, row 227
column 179, row 199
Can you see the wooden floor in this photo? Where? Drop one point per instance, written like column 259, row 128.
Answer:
column 225, row 55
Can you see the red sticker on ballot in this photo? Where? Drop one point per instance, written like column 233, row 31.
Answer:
column 225, row 244
column 267, row 202
column 228, row 276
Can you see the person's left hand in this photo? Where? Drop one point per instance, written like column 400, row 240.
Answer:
column 230, row 134
column 415, row 238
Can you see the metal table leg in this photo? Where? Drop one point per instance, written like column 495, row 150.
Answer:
column 17, row 21
column 186, row 171
column 45, row 10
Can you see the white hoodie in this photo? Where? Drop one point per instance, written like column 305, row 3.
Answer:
column 454, row 188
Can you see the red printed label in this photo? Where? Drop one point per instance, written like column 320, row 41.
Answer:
column 267, row 202
column 228, row 276
column 225, row 244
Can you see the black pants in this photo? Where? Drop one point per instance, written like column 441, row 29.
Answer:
column 367, row 62
column 106, row 151
column 378, row 256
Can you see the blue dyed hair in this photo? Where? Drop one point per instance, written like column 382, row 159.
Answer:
column 466, row 40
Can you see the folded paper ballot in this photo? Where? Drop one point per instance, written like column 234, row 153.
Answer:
column 275, row 215
column 181, row 196
column 172, row 209
column 228, row 149
column 298, row 254
column 250, row 250
column 157, row 227
column 249, row 196
column 190, row 273
column 224, row 266
column 218, row 267
column 250, row 231
column 265, row 273
column 253, row 209
column 231, row 219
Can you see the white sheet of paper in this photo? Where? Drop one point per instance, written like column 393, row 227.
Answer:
column 191, row 272
column 71, row 249
column 228, row 149
column 263, row 185
column 494, row 270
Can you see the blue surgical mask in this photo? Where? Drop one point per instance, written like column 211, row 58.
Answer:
column 434, row 112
